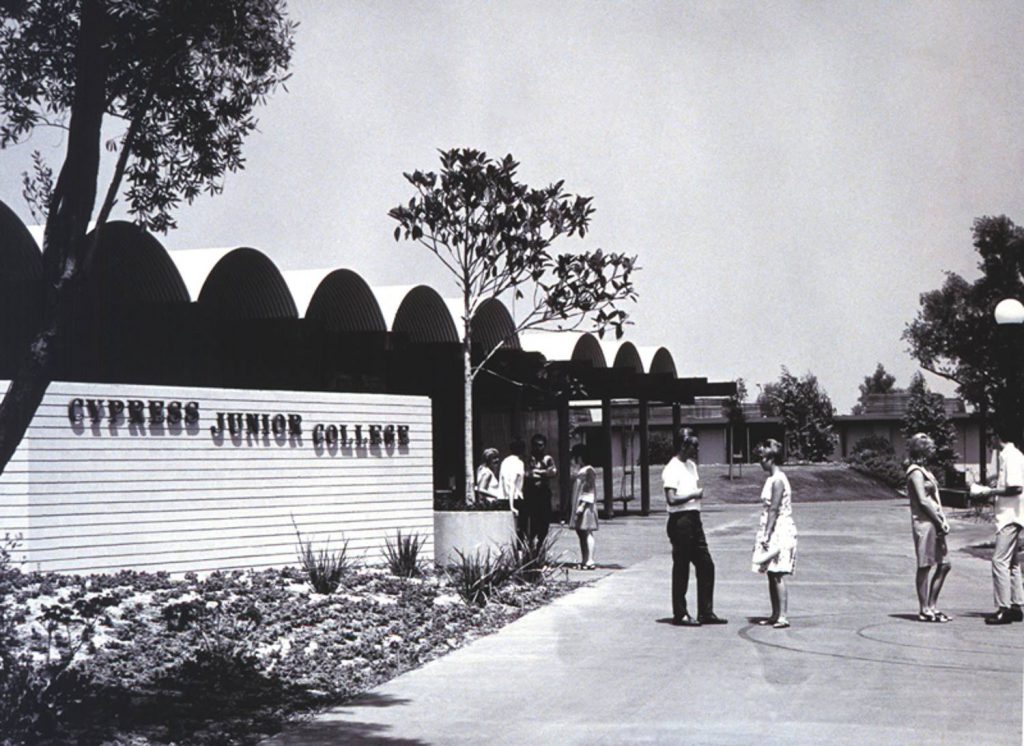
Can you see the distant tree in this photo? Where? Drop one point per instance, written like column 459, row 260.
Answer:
column 732, row 409
column 176, row 83
column 926, row 413
column 954, row 335
column 494, row 235
column 879, row 382
column 806, row 411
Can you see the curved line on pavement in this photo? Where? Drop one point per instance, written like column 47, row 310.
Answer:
column 744, row 634
column 862, row 634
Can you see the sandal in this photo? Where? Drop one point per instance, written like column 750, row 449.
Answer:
column 767, row 622
column 924, row 616
column 588, row 566
column 782, row 623
column 942, row 618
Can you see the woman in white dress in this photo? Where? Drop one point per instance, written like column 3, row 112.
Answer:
column 775, row 546
column 584, row 504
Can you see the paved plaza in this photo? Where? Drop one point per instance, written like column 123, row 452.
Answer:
column 604, row 666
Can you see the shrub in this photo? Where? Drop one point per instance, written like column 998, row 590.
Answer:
column 531, row 560
column 878, row 444
column 322, row 569
column 879, row 464
column 403, row 555
column 476, row 577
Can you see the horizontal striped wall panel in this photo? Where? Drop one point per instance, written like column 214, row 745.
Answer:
column 100, row 484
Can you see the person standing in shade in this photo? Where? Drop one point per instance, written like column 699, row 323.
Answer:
column 488, row 486
column 537, row 489
column 584, row 508
column 930, row 527
column 683, row 494
column 510, row 477
column 775, row 545
column 1006, row 578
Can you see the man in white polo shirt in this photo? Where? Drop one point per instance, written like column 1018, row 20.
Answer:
column 683, row 495
column 1006, row 577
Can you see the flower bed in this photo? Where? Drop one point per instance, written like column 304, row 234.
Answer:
column 138, row 658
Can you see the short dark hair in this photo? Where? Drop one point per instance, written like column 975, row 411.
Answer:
column 539, row 439
column 770, row 449
column 579, row 451
column 687, row 438
column 1005, row 431
column 517, row 446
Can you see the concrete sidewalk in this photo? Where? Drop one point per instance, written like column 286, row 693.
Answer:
column 603, row 665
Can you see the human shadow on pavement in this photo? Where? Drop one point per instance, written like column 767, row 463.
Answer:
column 908, row 617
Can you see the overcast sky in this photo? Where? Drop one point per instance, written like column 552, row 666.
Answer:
column 791, row 175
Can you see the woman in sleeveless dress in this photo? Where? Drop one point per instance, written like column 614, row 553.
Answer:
column 584, row 507
column 929, row 527
column 775, row 545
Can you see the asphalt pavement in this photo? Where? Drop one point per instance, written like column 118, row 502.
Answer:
column 603, row 665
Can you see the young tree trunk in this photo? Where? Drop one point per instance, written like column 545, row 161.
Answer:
column 467, row 439
column 64, row 245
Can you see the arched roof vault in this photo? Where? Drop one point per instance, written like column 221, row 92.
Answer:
column 246, row 284
column 574, row 346
column 493, row 325
column 132, row 267
column 657, row 360
column 345, row 303
column 20, row 259
column 624, row 356
column 424, row 317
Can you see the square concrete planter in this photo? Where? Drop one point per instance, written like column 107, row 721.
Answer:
column 470, row 531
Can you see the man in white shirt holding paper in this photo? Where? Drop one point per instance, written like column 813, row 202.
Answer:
column 1009, row 510
column 683, row 494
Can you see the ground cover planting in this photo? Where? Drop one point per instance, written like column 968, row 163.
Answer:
column 143, row 658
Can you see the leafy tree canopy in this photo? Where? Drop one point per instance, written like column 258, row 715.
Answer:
column 182, row 76
column 806, row 411
column 879, row 382
column 494, row 234
column 926, row 413
column 954, row 334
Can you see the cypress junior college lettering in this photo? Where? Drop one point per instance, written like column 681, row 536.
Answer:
column 233, row 425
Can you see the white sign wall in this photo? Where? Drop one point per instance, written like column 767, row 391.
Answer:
column 182, row 479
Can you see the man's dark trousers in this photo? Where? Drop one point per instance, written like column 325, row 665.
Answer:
column 686, row 532
column 537, row 499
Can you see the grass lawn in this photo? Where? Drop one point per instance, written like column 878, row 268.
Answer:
column 810, row 482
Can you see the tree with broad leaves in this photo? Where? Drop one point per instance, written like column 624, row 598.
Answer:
column 806, row 411
column 176, row 80
column 879, row 382
column 954, row 334
column 926, row 413
column 494, row 235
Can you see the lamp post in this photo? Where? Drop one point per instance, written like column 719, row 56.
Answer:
column 1009, row 315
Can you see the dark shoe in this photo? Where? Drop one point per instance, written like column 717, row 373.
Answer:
column 712, row 619
column 926, row 616
column 1003, row 616
column 942, row 618
column 685, row 621
column 768, row 622
column 1016, row 614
